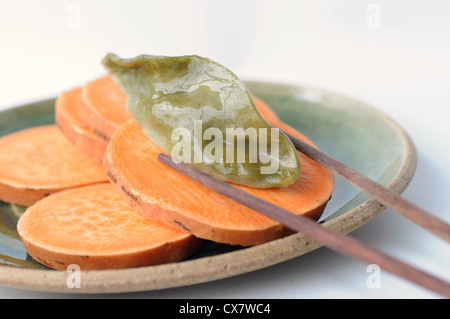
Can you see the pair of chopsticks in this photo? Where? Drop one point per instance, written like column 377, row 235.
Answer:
column 332, row 239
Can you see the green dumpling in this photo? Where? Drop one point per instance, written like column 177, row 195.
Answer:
column 201, row 113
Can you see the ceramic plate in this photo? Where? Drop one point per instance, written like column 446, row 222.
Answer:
column 348, row 130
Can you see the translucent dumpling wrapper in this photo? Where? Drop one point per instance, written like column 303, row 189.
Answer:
column 201, row 113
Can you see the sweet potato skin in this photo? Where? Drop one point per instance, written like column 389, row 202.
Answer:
column 104, row 106
column 60, row 261
column 69, row 122
column 23, row 196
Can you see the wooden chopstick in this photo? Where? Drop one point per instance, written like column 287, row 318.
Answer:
column 328, row 237
column 383, row 195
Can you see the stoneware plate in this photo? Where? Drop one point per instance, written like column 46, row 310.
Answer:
column 346, row 129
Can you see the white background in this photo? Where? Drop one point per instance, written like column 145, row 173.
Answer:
column 398, row 61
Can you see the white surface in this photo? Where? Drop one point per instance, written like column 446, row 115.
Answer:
column 402, row 68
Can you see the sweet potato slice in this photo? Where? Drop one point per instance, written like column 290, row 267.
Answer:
column 38, row 161
column 104, row 108
column 265, row 110
column 69, row 121
column 94, row 228
column 158, row 192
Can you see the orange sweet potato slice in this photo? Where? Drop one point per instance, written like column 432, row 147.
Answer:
column 94, row 228
column 104, row 107
column 38, row 161
column 158, row 192
column 69, row 121
column 267, row 113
